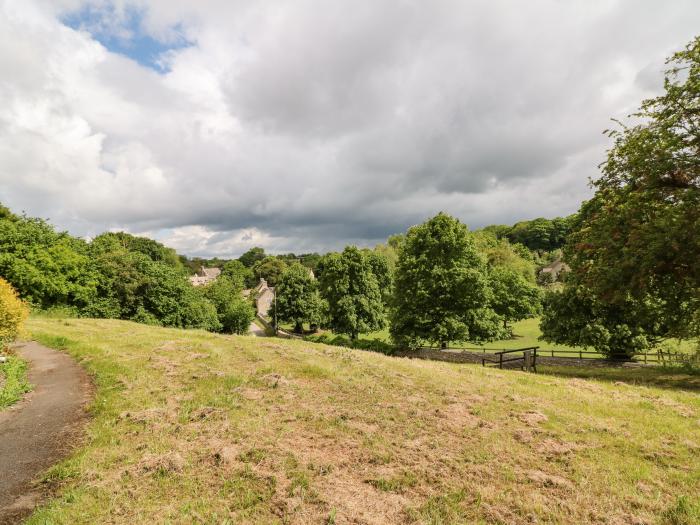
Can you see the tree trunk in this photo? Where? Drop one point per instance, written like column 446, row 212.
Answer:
column 298, row 327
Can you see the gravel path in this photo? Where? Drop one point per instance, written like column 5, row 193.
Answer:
column 40, row 430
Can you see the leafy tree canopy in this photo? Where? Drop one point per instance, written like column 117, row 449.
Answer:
column 13, row 313
column 441, row 290
column 538, row 234
column 252, row 256
column 350, row 287
column 270, row 268
column 234, row 312
column 575, row 316
column 635, row 245
column 382, row 270
column 237, row 272
column 113, row 241
column 500, row 253
column 298, row 300
column 513, row 296
column 639, row 237
column 44, row 266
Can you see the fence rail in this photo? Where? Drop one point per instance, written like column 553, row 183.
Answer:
column 528, row 357
column 659, row 356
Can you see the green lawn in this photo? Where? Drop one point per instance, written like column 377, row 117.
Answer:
column 193, row 427
column 526, row 333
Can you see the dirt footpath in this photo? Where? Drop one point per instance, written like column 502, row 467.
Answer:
column 41, row 429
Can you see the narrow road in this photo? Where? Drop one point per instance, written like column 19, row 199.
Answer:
column 41, row 429
column 256, row 331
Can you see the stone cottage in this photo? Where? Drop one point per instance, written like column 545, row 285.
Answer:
column 205, row 276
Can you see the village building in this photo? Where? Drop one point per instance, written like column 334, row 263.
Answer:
column 205, row 276
column 264, row 296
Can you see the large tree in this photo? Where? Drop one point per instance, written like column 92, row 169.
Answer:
column 513, row 296
column 46, row 267
column 575, row 316
column 270, row 268
column 249, row 258
column 382, row 271
column 112, row 241
column 235, row 313
column 298, row 300
column 635, row 248
column 238, row 273
column 349, row 285
column 638, row 239
column 441, row 287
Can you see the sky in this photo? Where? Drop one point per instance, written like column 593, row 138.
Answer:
column 219, row 125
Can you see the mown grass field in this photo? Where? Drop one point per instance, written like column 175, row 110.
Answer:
column 192, row 427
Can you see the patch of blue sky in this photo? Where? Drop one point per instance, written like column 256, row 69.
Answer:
column 123, row 33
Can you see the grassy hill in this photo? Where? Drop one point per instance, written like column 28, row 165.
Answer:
column 192, row 427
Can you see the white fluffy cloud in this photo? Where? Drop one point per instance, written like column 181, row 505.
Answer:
column 305, row 126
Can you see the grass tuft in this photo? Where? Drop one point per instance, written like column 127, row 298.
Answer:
column 13, row 381
column 684, row 512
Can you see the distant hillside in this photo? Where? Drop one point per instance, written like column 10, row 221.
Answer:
column 537, row 234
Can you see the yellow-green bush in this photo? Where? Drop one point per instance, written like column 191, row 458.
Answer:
column 13, row 312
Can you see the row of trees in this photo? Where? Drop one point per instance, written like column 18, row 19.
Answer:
column 445, row 284
column 542, row 235
column 116, row 275
column 633, row 251
column 255, row 264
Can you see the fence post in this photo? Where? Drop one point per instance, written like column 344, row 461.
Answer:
column 534, row 360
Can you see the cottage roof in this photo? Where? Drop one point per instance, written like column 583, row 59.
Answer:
column 212, row 273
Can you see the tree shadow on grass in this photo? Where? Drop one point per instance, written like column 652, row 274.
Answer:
column 672, row 377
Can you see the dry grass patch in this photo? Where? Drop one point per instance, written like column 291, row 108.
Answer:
column 191, row 427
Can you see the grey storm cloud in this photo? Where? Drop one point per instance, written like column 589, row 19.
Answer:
column 305, row 125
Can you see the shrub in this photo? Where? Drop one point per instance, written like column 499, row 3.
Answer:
column 233, row 311
column 13, row 312
column 297, row 298
column 236, row 316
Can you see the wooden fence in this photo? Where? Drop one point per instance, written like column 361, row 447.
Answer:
column 659, row 356
column 528, row 356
